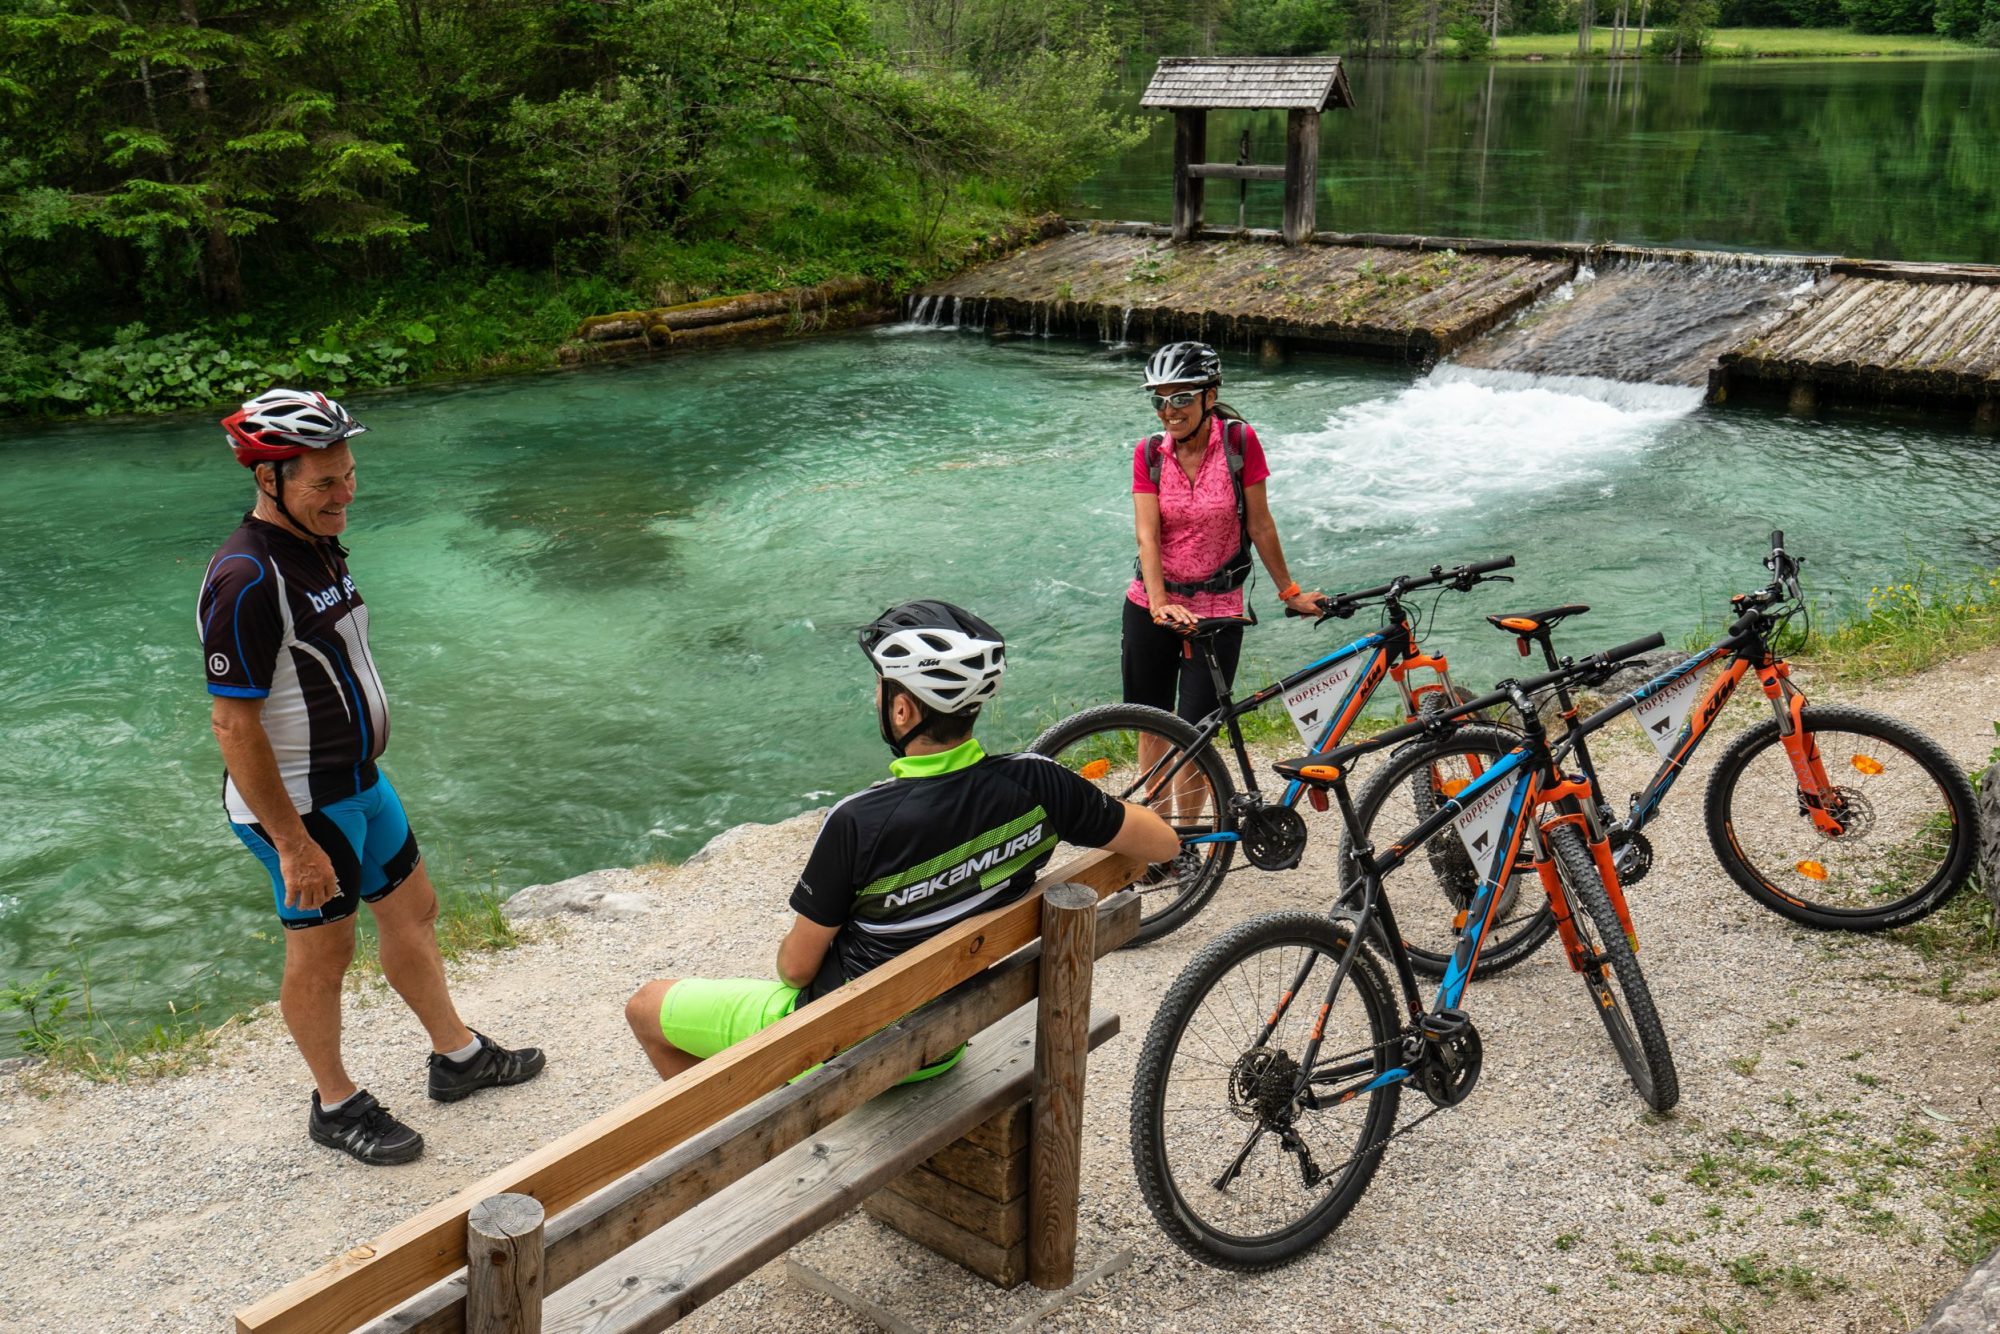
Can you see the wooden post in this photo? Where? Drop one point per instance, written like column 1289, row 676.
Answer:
column 1062, row 1040
column 503, row 1266
column 1190, row 147
column 1301, row 175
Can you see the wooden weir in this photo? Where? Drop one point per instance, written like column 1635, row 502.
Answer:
column 1867, row 331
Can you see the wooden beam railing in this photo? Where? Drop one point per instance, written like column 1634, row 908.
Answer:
column 368, row 1280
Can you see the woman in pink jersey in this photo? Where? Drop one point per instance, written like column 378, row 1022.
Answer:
column 1198, row 507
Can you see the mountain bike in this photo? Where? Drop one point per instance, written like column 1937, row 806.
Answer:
column 1147, row 755
column 1271, row 1076
column 1836, row 818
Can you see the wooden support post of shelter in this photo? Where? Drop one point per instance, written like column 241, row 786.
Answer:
column 1303, row 87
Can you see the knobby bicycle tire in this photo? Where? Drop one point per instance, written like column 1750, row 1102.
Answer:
column 1178, row 1210
column 1955, row 805
column 1422, row 893
column 1170, row 894
column 1618, row 990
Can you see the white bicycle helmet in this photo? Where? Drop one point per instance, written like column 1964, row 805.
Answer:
column 948, row 660
column 1184, row 363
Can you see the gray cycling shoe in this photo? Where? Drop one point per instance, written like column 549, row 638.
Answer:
column 363, row 1129
column 492, row 1066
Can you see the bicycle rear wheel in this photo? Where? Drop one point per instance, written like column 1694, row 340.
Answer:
column 1909, row 828
column 1126, row 751
column 1399, row 796
column 1237, row 1160
column 1618, row 990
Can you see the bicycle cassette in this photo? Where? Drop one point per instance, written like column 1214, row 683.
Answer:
column 1273, row 837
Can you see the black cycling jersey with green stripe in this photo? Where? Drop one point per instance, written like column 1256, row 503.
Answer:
column 950, row 835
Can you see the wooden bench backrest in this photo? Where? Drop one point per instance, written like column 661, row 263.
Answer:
column 368, row 1280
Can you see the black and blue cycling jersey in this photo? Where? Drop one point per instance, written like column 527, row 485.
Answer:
column 281, row 620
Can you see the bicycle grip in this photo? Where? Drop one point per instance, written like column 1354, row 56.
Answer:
column 1635, row 648
column 1488, row 566
column 1777, row 539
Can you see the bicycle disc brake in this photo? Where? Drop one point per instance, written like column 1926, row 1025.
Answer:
column 1632, row 854
column 1273, row 837
column 1854, row 811
column 1449, row 1066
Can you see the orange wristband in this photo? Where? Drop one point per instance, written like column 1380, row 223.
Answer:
column 1290, row 590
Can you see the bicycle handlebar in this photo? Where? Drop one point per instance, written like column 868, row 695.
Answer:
column 1342, row 605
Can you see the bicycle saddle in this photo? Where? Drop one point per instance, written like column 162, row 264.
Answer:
column 1210, row 626
column 1534, row 622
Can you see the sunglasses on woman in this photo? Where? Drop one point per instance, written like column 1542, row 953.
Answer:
column 1161, row 402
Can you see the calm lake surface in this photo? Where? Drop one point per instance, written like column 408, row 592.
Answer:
column 1893, row 159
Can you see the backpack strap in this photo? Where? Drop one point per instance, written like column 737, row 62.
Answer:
column 1154, row 458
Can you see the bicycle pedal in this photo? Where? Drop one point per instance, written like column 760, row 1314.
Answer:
column 1444, row 1025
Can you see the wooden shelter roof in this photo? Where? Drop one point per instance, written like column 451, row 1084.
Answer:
column 1256, row 83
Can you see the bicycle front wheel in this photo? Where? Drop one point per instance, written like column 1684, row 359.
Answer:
column 1908, row 826
column 1618, row 990
column 1245, row 1158
column 1407, row 790
column 1150, row 757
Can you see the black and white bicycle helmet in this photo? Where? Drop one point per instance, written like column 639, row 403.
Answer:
column 944, row 655
column 1184, row 363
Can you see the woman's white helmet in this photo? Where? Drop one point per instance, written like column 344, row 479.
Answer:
column 947, row 658
column 1184, row 363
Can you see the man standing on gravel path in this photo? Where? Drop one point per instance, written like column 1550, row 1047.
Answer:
column 952, row 833
column 301, row 718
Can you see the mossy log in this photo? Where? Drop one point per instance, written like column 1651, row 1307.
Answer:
column 725, row 310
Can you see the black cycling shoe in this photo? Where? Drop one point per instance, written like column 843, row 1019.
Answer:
column 491, row 1067
column 363, row 1129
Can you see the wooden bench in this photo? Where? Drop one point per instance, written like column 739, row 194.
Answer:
column 752, row 1163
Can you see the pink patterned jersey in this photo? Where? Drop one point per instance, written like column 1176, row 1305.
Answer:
column 1198, row 528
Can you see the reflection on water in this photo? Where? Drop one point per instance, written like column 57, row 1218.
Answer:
column 604, row 645
column 1892, row 159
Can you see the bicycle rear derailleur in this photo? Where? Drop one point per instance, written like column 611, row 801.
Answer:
column 1445, row 1052
column 1273, row 837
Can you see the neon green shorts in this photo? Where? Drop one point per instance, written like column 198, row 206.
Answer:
column 703, row 1015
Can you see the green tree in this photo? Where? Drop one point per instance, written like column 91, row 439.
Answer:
column 1890, row 15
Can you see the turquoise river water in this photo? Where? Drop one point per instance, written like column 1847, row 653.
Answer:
column 614, row 610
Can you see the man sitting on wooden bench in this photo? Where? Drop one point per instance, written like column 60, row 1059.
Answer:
column 954, row 832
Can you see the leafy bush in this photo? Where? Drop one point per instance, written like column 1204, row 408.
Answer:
column 1989, row 34
column 1470, row 38
column 1969, row 20
column 142, row 372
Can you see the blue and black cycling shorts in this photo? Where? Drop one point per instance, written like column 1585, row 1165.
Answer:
column 365, row 836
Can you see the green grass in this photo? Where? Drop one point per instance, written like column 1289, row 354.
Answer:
column 1975, row 1188
column 56, row 1023
column 1747, row 43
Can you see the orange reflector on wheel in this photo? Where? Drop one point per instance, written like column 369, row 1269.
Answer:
column 1868, row 764
column 1095, row 769
column 1811, row 870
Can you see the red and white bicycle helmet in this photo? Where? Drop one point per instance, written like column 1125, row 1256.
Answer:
column 282, row 424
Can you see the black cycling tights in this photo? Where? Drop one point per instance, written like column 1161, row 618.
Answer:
column 1157, row 669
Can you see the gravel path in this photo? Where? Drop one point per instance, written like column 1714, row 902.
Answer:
column 1828, row 1092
